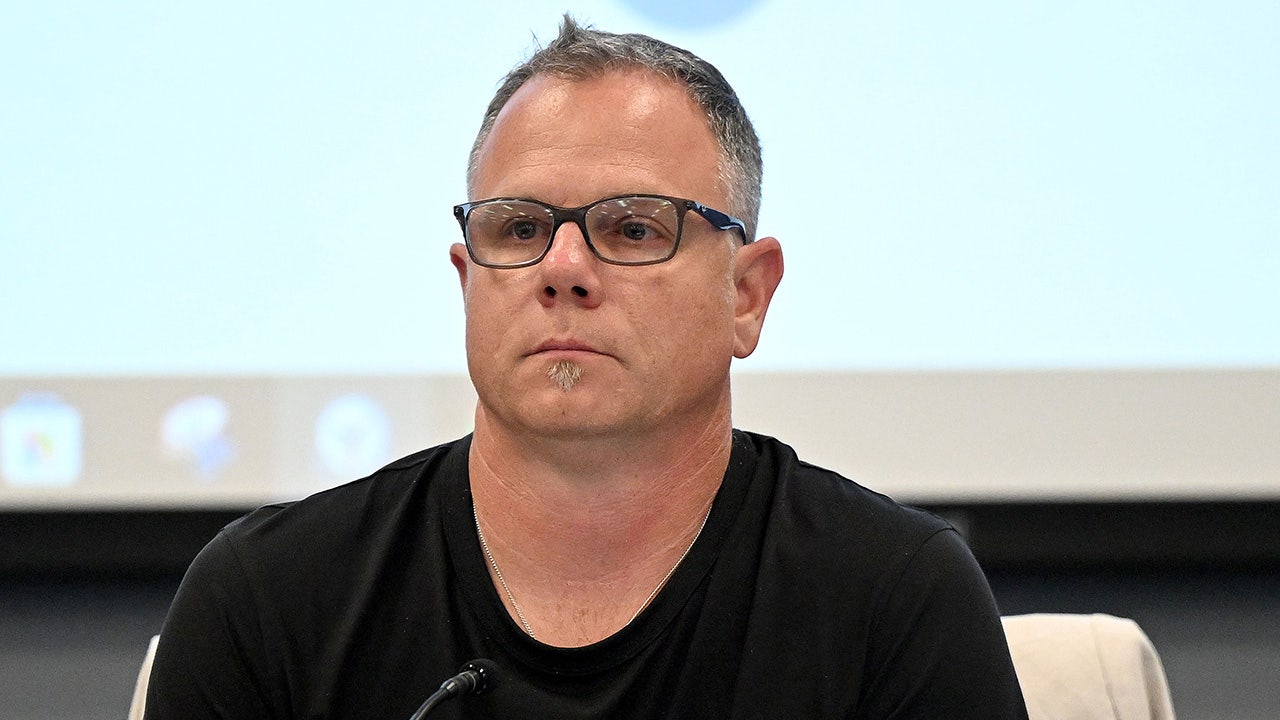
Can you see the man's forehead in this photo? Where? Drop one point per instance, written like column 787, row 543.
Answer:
column 632, row 92
column 629, row 129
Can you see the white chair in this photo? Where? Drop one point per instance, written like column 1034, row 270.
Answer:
column 139, row 704
column 1087, row 667
column 1070, row 667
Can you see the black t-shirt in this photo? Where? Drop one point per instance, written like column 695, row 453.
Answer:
column 805, row 596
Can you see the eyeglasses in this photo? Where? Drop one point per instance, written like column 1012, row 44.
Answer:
column 624, row 230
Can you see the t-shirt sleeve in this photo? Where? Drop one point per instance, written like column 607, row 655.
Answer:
column 211, row 659
column 937, row 647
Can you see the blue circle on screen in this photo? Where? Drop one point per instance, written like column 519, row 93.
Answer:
column 690, row 14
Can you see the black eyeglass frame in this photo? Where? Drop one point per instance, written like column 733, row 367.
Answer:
column 560, row 215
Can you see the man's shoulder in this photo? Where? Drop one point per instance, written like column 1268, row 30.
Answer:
column 804, row 487
column 851, row 545
column 819, row 516
column 356, row 508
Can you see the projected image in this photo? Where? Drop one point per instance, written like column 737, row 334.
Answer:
column 993, row 187
column 692, row 17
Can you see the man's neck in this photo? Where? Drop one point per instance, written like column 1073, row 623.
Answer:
column 585, row 530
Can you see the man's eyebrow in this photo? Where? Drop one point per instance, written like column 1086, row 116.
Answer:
column 598, row 197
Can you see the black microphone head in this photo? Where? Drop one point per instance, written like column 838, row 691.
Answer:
column 486, row 673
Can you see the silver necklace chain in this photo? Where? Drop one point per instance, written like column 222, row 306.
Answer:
column 524, row 623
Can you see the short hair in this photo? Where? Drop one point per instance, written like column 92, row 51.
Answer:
column 581, row 53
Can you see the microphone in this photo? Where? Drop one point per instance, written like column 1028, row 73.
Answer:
column 476, row 678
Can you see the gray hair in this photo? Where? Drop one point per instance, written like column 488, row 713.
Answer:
column 580, row 53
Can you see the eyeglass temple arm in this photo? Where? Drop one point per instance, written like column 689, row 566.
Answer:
column 722, row 221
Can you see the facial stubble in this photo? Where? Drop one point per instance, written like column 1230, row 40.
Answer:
column 565, row 373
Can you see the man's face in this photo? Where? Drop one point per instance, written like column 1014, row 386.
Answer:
column 650, row 345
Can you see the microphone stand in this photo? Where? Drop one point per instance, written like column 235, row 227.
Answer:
column 476, row 678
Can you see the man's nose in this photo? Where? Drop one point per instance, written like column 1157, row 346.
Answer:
column 570, row 268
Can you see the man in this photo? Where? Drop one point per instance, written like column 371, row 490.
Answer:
column 604, row 537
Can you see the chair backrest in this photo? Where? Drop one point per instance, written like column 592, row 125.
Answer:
column 139, row 704
column 1087, row 667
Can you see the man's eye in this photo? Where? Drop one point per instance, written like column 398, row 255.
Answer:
column 636, row 231
column 523, row 229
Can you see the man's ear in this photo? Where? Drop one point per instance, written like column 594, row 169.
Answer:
column 458, row 256
column 757, row 272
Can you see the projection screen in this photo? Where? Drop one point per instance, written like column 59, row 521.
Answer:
column 1030, row 247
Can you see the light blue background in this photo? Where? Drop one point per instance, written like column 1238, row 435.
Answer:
column 264, row 188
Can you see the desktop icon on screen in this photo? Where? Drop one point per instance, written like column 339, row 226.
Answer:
column 353, row 436
column 194, row 432
column 41, row 442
